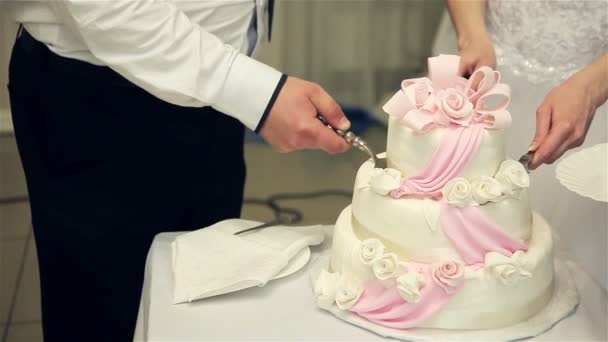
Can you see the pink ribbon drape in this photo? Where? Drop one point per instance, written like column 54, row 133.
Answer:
column 455, row 151
column 384, row 306
column 473, row 234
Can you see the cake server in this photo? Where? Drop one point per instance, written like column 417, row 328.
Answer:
column 274, row 222
column 283, row 216
column 357, row 142
column 526, row 159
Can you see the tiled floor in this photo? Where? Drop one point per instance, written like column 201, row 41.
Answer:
column 268, row 173
column 19, row 295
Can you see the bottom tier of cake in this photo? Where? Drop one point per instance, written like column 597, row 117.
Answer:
column 364, row 278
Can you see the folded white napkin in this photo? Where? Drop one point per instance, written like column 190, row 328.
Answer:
column 213, row 261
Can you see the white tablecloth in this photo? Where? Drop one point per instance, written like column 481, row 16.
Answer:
column 285, row 309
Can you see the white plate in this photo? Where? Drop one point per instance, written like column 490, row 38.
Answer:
column 586, row 172
column 295, row 264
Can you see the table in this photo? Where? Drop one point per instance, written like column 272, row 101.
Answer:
column 285, row 309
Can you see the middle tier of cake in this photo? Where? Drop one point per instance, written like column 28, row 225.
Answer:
column 413, row 225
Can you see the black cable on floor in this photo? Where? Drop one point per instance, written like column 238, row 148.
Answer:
column 284, row 214
column 14, row 199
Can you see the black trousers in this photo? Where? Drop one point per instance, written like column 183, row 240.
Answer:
column 109, row 166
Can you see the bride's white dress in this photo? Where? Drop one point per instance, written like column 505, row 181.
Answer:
column 539, row 44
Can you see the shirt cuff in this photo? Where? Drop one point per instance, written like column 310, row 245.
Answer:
column 249, row 92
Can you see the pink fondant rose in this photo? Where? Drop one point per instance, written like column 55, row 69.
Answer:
column 454, row 106
column 448, row 275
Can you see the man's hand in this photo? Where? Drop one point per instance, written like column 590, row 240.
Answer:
column 293, row 125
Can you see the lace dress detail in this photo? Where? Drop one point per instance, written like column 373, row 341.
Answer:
column 547, row 40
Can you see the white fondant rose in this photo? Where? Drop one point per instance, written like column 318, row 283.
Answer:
column 326, row 287
column 448, row 275
column 486, row 189
column 370, row 251
column 508, row 270
column 513, row 177
column 454, row 106
column 457, row 192
column 384, row 181
column 347, row 293
column 385, row 267
column 409, row 286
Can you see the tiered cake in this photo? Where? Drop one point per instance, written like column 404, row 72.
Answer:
column 444, row 237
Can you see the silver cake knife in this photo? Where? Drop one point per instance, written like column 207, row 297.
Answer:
column 350, row 138
column 357, row 142
column 526, row 159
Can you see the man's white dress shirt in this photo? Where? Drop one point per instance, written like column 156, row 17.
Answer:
column 186, row 52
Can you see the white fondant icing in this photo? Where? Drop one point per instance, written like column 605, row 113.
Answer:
column 409, row 152
column 431, row 214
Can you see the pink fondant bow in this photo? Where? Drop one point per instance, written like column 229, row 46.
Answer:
column 447, row 99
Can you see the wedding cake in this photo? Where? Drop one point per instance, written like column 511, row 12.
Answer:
column 444, row 237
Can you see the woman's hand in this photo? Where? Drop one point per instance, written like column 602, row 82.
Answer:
column 475, row 52
column 564, row 117
column 474, row 44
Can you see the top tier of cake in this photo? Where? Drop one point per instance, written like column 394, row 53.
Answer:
column 449, row 121
column 410, row 152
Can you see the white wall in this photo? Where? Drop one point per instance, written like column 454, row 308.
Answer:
column 357, row 49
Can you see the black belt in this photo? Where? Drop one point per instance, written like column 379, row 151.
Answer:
column 68, row 67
